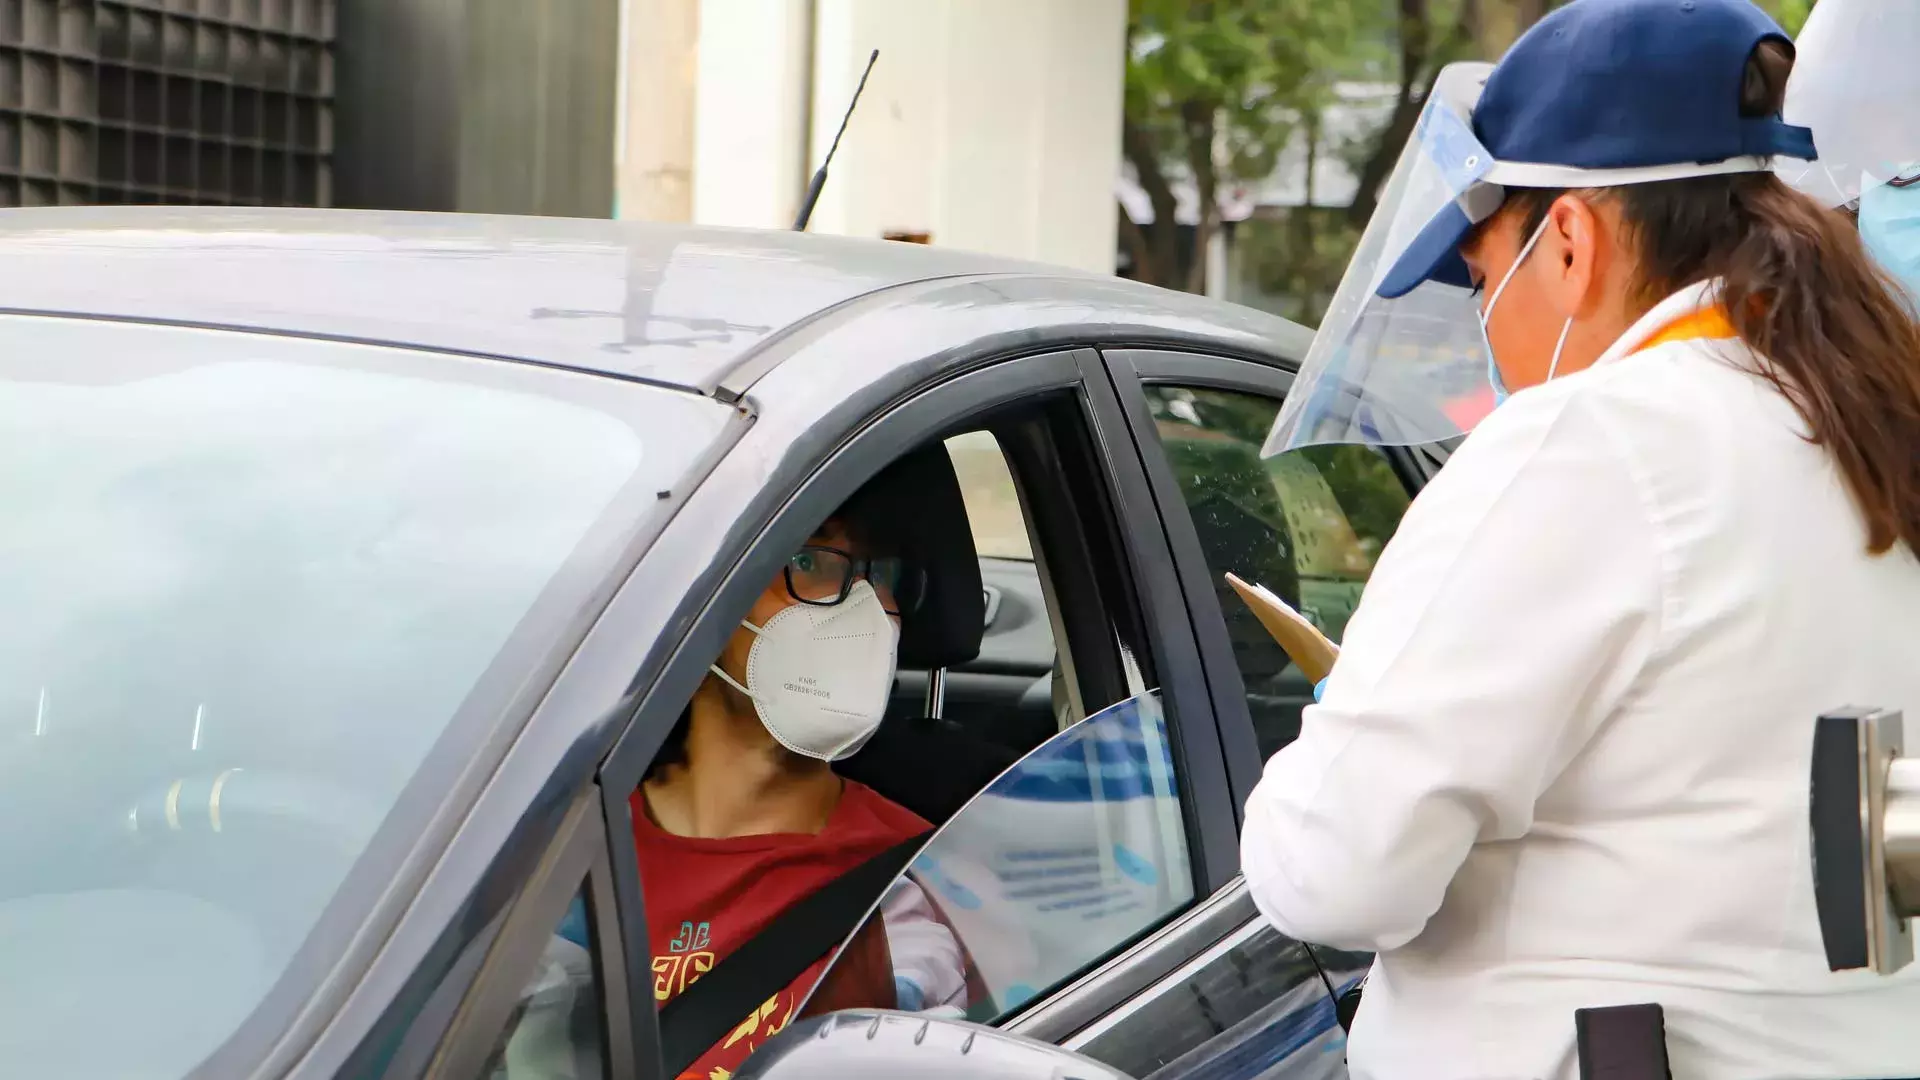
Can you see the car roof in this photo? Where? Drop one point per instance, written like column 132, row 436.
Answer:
column 676, row 305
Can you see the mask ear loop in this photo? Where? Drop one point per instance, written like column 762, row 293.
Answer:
column 728, row 679
column 1557, row 348
column 1511, row 270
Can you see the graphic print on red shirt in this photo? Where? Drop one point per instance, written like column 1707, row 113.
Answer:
column 705, row 897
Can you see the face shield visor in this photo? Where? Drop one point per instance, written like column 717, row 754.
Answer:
column 1412, row 369
column 1855, row 82
column 1400, row 358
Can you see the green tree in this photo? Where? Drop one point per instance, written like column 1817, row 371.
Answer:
column 1216, row 90
column 1792, row 14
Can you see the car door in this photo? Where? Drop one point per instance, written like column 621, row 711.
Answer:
column 1114, row 597
column 1220, row 993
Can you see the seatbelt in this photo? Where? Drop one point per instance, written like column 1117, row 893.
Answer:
column 716, row 1002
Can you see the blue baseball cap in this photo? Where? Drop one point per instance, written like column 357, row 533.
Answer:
column 1607, row 92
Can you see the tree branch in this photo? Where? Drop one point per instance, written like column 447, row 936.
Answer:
column 1136, row 238
column 1199, row 118
column 1163, row 242
column 1415, row 40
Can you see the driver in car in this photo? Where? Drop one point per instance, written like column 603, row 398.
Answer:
column 741, row 814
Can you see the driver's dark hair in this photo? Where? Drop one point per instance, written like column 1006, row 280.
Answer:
column 1837, row 333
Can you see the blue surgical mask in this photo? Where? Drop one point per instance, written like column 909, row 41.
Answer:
column 1498, row 381
column 1890, row 227
column 1494, row 378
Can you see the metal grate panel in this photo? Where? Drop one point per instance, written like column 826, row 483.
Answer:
column 213, row 102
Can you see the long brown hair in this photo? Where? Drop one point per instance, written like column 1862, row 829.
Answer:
column 1838, row 335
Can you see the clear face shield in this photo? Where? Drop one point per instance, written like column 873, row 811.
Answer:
column 1401, row 358
column 1412, row 369
column 1855, row 82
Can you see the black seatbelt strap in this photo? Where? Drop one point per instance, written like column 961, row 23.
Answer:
column 1624, row 1042
column 716, row 1003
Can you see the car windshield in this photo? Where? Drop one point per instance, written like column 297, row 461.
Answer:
column 262, row 597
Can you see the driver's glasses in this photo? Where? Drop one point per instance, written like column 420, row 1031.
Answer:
column 823, row 576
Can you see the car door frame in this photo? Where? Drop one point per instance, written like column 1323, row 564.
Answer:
column 1227, row 913
column 577, row 859
column 1132, row 370
column 1135, row 369
column 851, row 458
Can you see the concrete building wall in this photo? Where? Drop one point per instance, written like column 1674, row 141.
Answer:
column 992, row 125
column 492, row 106
column 537, row 109
column 397, row 94
column 751, row 112
column 657, row 79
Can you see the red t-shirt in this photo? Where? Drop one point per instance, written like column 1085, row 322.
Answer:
column 705, row 897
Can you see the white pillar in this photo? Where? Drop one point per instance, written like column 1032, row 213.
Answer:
column 654, row 178
column 750, row 153
column 994, row 125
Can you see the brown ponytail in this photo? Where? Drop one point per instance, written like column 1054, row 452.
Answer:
column 1839, row 335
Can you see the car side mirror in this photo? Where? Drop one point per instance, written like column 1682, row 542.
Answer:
column 871, row 1044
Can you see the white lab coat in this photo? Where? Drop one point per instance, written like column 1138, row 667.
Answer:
column 1563, row 759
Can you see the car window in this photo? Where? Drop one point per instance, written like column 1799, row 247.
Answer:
column 557, row 1030
column 1070, row 856
column 1258, row 996
column 1307, row 524
column 993, row 504
column 262, row 595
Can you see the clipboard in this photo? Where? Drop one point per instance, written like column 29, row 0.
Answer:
column 1302, row 641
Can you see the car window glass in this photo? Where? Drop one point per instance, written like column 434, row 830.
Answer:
column 1068, row 857
column 1307, row 524
column 993, row 504
column 256, row 589
column 557, row 1030
column 1255, row 997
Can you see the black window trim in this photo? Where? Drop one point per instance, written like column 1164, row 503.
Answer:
column 578, row 855
column 1063, row 486
column 1200, row 761
column 1132, row 370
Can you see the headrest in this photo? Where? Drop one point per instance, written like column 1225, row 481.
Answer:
column 914, row 508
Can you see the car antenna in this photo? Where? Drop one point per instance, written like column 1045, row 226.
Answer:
column 820, row 177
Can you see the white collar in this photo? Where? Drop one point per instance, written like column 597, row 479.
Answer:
column 1695, row 297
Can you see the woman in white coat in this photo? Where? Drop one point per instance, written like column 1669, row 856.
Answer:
column 1563, row 759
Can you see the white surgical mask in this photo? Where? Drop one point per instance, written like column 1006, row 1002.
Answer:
column 1493, row 368
column 820, row 676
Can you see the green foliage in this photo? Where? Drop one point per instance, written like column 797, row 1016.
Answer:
column 1258, row 66
column 1791, row 14
column 1217, row 89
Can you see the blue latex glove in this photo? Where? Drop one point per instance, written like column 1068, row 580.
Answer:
column 1320, row 688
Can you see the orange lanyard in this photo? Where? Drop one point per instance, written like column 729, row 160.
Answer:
column 1703, row 324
